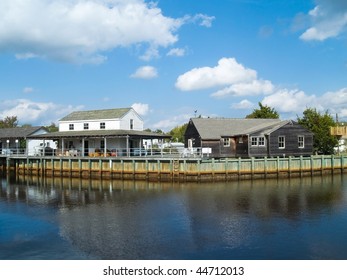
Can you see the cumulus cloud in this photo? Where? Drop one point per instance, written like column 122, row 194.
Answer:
column 233, row 78
column 286, row 101
column 28, row 89
column 176, row 52
column 169, row 123
column 243, row 104
column 204, row 20
column 329, row 19
column 227, row 72
column 254, row 87
column 140, row 108
column 28, row 111
column 145, row 72
column 296, row 101
column 336, row 101
column 82, row 30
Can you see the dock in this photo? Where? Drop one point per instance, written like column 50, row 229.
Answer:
column 174, row 169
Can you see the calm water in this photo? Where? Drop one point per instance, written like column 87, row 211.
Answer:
column 264, row 219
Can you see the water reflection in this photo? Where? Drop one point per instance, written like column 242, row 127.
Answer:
column 261, row 219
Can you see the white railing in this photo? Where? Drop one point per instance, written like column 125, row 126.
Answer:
column 98, row 152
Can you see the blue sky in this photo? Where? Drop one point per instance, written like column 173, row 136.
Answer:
column 170, row 58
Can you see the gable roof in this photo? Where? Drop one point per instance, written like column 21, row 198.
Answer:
column 215, row 128
column 96, row 114
column 102, row 133
column 18, row 132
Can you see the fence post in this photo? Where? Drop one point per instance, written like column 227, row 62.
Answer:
column 311, row 163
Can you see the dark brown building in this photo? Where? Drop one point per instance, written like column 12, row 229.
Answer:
column 249, row 137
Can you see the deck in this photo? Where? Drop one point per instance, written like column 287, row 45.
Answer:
column 340, row 131
column 175, row 169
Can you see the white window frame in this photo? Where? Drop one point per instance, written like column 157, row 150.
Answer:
column 71, row 126
column 226, row 142
column 131, row 124
column 254, row 141
column 281, row 142
column 258, row 141
column 301, row 141
column 102, row 125
column 261, row 141
column 86, row 126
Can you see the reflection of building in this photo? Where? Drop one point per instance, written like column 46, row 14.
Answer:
column 16, row 140
column 111, row 132
column 142, row 220
column 249, row 137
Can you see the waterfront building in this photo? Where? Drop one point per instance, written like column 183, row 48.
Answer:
column 17, row 140
column 109, row 132
column 222, row 137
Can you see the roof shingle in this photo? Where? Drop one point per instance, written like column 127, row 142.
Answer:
column 96, row 114
column 215, row 128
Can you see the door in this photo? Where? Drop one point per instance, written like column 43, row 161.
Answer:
column 86, row 148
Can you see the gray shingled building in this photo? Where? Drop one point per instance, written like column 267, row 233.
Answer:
column 248, row 137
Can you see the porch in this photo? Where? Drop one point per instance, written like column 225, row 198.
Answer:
column 107, row 143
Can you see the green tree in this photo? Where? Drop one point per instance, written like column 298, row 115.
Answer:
column 177, row 133
column 319, row 124
column 264, row 112
column 52, row 128
column 9, row 122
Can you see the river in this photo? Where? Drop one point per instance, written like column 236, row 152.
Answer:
column 64, row 218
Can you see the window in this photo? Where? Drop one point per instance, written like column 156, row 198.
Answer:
column 254, row 141
column 240, row 139
column 258, row 141
column 102, row 125
column 102, row 144
column 301, row 141
column 71, row 126
column 261, row 141
column 226, row 142
column 86, row 126
column 281, row 142
column 131, row 124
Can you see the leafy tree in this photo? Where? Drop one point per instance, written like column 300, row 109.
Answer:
column 319, row 124
column 9, row 122
column 177, row 133
column 52, row 128
column 264, row 112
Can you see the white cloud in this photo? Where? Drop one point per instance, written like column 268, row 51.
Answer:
column 286, row 101
column 254, row 87
column 227, row 72
column 145, row 72
column 31, row 112
column 335, row 102
column 140, row 108
column 329, row 19
column 204, row 20
column 176, row 52
column 233, row 78
column 81, row 31
column 170, row 123
column 28, row 89
column 244, row 104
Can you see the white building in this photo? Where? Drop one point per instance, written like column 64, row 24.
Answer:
column 111, row 119
column 109, row 132
column 16, row 141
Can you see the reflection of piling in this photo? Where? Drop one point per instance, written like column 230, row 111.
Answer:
column 168, row 169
